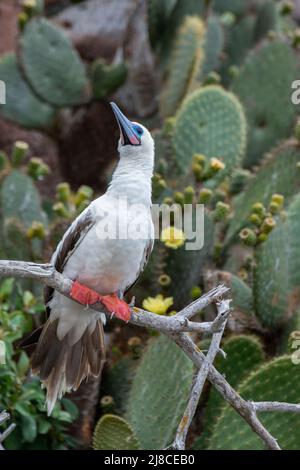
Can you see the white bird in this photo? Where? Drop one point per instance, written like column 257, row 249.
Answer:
column 70, row 346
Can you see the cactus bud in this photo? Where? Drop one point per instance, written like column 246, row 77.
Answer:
column 259, row 209
column 196, row 292
column 274, row 208
column 205, row 196
column 233, row 71
column 199, row 158
column 198, row 171
column 228, row 18
column 296, row 38
column 268, row 225
column 19, row 152
column 29, row 7
column 278, row 199
column 63, row 191
column 37, row 169
column 216, row 165
column 135, row 346
column 179, row 198
column 189, row 194
column 248, row 237
column 168, row 200
column 23, row 19
column 107, row 404
column 286, row 8
column 213, row 78
column 262, row 237
column 60, row 209
column 168, row 127
column 243, row 274
column 255, row 219
column 37, row 230
column 84, row 193
column 164, row 280
column 221, row 211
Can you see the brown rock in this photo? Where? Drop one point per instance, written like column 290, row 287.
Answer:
column 88, row 146
column 40, row 146
column 9, row 10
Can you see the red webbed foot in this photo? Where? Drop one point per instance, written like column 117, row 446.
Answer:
column 86, row 296
column 117, row 306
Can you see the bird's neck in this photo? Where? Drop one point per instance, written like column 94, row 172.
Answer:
column 132, row 179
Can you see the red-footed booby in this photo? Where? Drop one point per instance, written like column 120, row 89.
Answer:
column 70, row 346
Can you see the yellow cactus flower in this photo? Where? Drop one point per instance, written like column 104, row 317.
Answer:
column 157, row 304
column 216, row 164
column 173, row 237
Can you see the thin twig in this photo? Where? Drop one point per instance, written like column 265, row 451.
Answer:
column 175, row 327
column 197, row 388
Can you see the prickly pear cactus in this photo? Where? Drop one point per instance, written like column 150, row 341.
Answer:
column 210, row 121
column 277, row 174
column 185, row 64
column 269, row 110
column 107, row 78
column 278, row 378
column 277, row 274
column 114, row 433
column 21, row 206
column 159, row 393
column 51, row 65
column 234, row 6
column 22, row 106
column 117, row 382
column 244, row 353
column 213, row 45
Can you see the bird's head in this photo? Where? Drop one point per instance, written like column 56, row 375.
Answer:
column 135, row 139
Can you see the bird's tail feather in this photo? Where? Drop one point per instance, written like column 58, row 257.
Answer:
column 63, row 365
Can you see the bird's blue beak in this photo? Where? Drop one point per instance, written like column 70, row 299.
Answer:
column 129, row 135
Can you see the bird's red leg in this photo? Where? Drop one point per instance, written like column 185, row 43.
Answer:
column 86, row 296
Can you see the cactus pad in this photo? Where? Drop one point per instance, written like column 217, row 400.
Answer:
column 22, row 106
column 113, row 433
column 185, row 64
column 210, row 121
column 278, row 380
column 278, row 174
column 159, row 393
column 269, row 110
column 277, row 275
column 51, row 65
column 244, row 353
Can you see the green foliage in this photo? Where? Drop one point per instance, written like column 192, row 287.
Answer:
column 51, row 65
column 22, row 106
column 276, row 276
column 278, row 378
column 244, row 353
column 21, row 394
column 185, row 64
column 159, row 393
column 210, row 121
column 114, row 433
column 269, row 110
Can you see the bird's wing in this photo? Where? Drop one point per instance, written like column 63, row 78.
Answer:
column 70, row 241
column 145, row 258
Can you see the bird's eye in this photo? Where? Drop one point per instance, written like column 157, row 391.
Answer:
column 139, row 130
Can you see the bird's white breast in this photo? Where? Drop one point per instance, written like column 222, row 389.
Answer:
column 111, row 264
